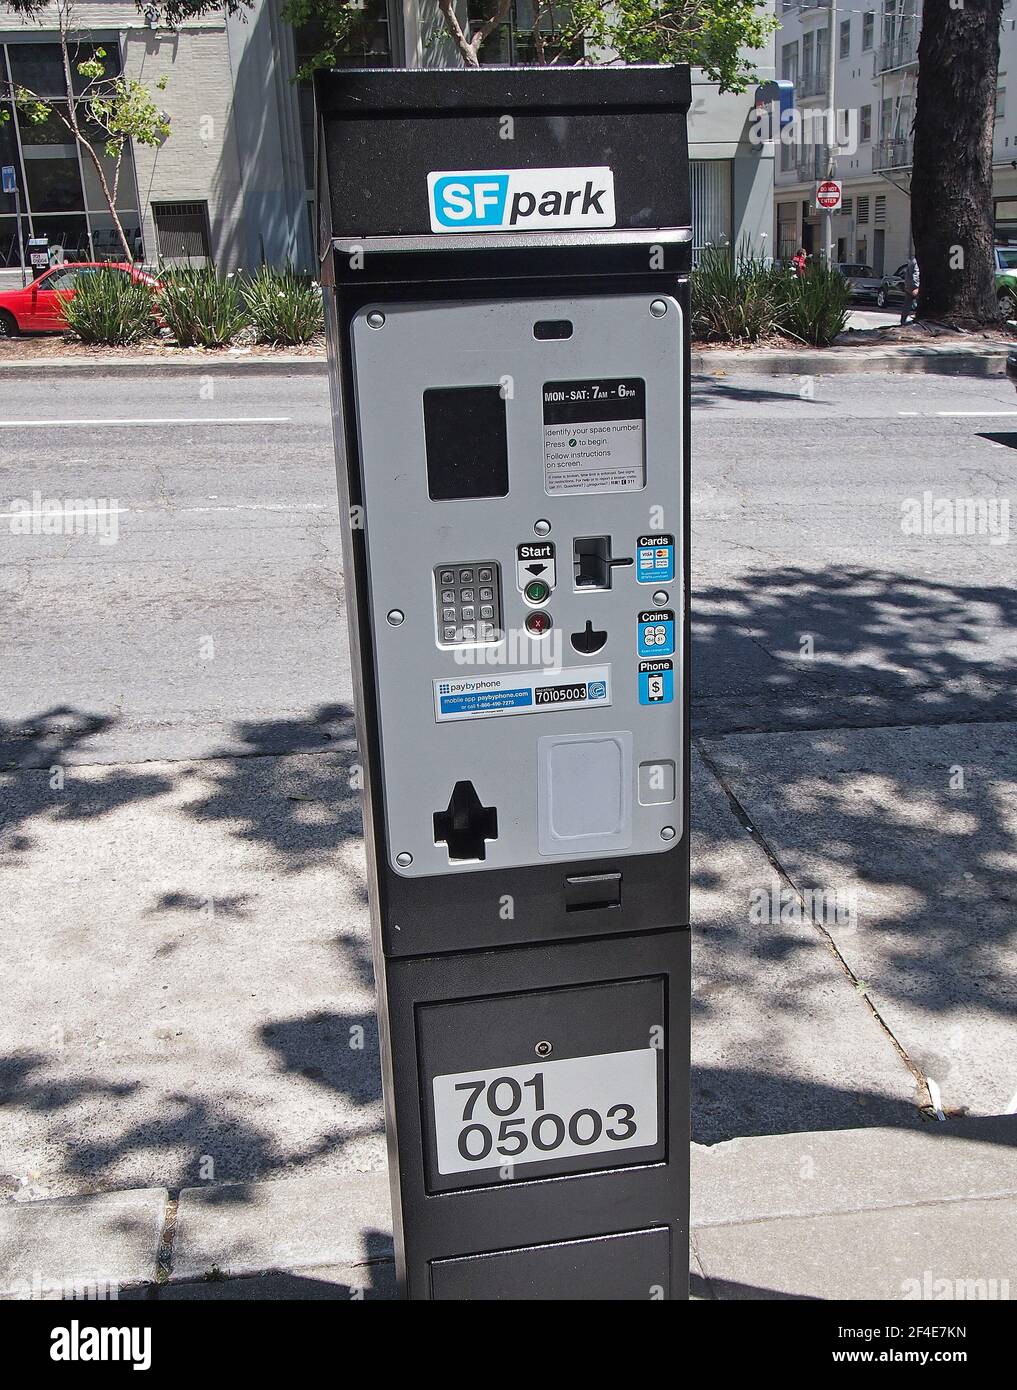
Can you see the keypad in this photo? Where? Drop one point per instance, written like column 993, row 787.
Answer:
column 468, row 602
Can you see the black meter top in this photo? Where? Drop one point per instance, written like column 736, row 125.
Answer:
column 594, row 157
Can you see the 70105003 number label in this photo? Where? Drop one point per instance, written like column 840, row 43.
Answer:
column 553, row 1110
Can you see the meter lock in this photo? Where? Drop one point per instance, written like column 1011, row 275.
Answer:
column 467, row 603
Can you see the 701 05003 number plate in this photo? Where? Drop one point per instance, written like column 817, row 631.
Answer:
column 545, row 1112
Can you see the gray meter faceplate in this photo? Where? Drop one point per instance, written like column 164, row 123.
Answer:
column 538, row 684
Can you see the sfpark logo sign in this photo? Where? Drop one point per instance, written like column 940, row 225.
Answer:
column 515, row 200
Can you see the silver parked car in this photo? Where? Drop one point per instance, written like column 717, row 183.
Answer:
column 865, row 284
column 891, row 289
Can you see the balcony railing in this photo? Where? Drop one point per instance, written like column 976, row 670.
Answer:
column 814, row 4
column 895, row 153
column 812, row 166
column 812, row 84
column 899, row 52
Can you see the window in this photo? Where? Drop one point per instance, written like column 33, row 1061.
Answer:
column 789, row 63
column 887, row 118
column 808, row 58
column 865, row 124
column 845, row 38
column 863, row 213
column 879, row 217
column 181, row 231
column 39, row 66
column 513, row 41
column 787, row 226
column 868, row 30
column 711, row 203
column 847, row 206
column 787, row 157
column 1001, row 97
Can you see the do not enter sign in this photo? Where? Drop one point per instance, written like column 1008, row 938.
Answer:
column 828, row 195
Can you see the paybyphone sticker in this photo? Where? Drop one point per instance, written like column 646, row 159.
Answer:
column 594, row 435
column 521, row 692
column 520, row 200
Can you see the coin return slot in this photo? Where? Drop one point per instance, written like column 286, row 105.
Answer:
column 465, row 826
column 588, row 892
column 589, row 640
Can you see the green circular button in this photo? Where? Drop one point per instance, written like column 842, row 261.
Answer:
column 536, row 591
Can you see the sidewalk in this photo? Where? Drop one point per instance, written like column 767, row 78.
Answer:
column 853, row 1214
column 945, row 359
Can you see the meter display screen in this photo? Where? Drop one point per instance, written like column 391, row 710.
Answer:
column 466, row 442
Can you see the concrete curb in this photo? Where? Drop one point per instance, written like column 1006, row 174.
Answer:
column 843, row 361
column 288, row 1224
column 50, row 1249
column 768, row 362
column 78, row 368
column 848, row 1170
column 860, row 1213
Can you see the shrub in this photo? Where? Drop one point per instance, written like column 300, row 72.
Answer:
column 108, row 307
column 201, row 308
column 733, row 299
column 814, row 307
column 283, row 307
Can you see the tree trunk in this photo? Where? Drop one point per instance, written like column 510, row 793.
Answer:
column 951, row 179
column 72, row 122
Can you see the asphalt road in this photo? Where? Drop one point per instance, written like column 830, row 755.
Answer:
column 216, row 614
column 183, row 907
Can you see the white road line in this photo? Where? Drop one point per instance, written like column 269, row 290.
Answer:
column 151, row 511
column 167, row 420
column 940, row 414
column 59, row 510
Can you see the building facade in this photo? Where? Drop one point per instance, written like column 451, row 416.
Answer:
column 875, row 87
column 233, row 182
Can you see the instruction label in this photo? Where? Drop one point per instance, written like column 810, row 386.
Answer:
column 594, row 435
column 521, row 692
column 654, row 559
column 656, row 682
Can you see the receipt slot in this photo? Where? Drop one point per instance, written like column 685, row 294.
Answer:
column 505, row 255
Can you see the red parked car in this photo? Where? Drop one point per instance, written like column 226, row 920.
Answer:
column 36, row 309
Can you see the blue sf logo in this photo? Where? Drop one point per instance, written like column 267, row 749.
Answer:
column 517, row 199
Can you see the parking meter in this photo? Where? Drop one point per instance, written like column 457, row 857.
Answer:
column 38, row 255
column 505, row 256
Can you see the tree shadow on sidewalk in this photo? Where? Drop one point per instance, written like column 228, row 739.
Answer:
column 883, row 764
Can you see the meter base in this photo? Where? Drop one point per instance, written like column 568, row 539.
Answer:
column 601, row 1221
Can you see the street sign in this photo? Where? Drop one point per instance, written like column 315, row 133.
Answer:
column 828, row 195
column 10, row 178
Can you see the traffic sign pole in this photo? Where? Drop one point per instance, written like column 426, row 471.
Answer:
column 21, row 239
column 9, row 176
column 831, row 126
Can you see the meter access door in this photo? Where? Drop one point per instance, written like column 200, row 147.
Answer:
column 505, row 254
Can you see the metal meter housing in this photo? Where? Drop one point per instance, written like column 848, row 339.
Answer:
column 511, row 411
